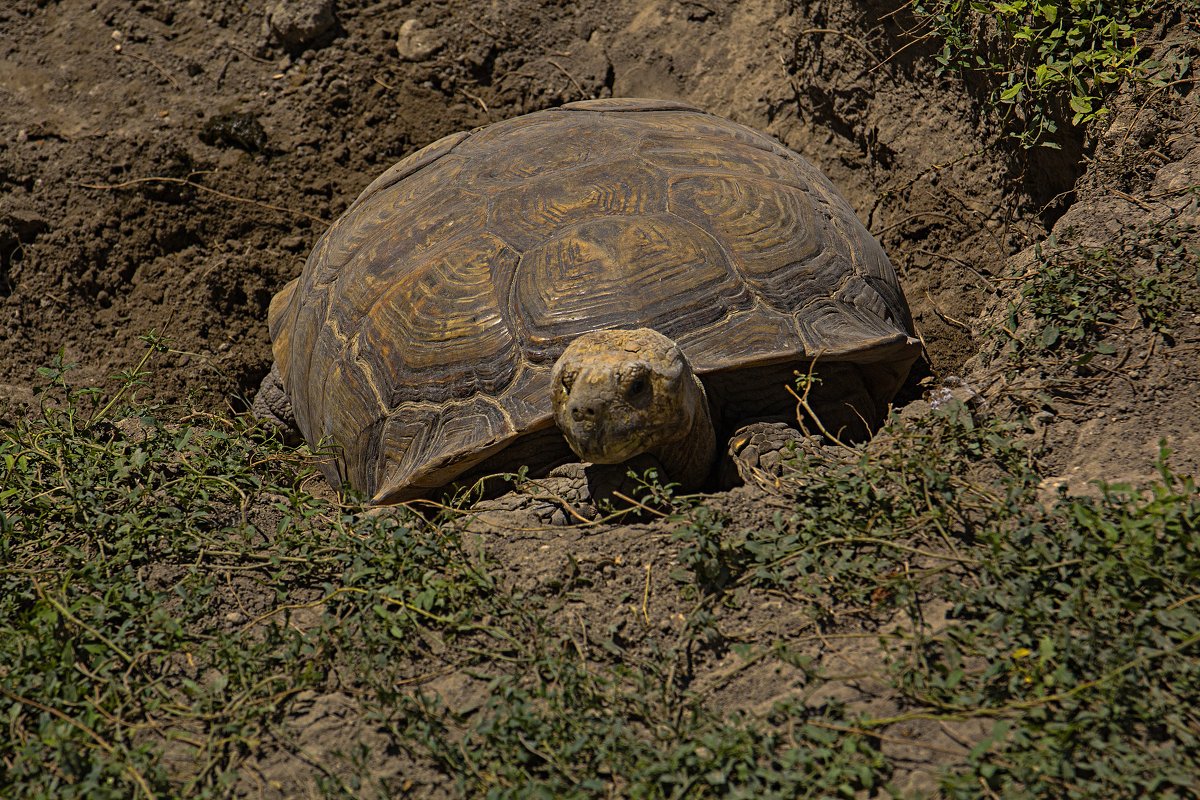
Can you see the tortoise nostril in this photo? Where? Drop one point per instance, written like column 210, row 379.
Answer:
column 583, row 413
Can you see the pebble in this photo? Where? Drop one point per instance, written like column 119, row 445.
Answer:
column 339, row 93
column 415, row 42
column 297, row 24
column 26, row 223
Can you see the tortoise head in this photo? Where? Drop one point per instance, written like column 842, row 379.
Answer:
column 620, row 393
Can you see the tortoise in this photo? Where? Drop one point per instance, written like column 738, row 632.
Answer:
column 645, row 274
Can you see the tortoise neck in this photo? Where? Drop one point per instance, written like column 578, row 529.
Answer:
column 689, row 459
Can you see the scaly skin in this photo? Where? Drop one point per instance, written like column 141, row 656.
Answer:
column 272, row 404
column 619, row 394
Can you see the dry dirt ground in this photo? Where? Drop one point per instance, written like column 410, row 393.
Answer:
column 166, row 165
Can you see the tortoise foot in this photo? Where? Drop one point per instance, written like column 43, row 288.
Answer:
column 272, row 404
column 759, row 453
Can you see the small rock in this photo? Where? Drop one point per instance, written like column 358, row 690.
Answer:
column 26, row 223
column 299, row 24
column 239, row 129
column 339, row 93
column 697, row 12
column 415, row 42
column 954, row 389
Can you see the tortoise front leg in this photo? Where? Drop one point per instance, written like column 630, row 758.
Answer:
column 759, row 451
column 272, row 404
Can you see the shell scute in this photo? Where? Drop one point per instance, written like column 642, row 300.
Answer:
column 433, row 444
column 684, row 154
column 413, row 163
column 621, row 272
column 770, row 229
column 456, row 342
column 553, row 202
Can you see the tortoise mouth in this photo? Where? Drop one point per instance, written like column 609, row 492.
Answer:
column 604, row 443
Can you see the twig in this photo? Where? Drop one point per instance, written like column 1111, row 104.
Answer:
column 478, row 100
column 913, row 41
column 66, row 612
column 1023, row 705
column 221, row 72
column 237, row 49
column 152, row 63
column 1131, row 199
column 203, row 188
column 883, row 738
column 482, row 29
column 901, row 547
column 646, row 596
column 299, row 606
column 960, row 262
column 946, row 317
column 1183, row 602
column 549, row 759
column 570, row 77
column 642, row 506
column 803, row 401
column 1146, row 103
column 911, row 217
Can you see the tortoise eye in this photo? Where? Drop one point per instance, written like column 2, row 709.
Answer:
column 638, row 386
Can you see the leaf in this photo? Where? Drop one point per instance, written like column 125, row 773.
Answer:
column 1008, row 94
column 1081, row 104
column 1050, row 335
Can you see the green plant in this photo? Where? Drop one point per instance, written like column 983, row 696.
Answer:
column 709, row 561
column 172, row 600
column 154, row 577
column 567, row 731
column 1080, row 635
column 1046, row 60
column 1074, row 296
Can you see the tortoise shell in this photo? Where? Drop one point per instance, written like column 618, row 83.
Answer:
column 420, row 336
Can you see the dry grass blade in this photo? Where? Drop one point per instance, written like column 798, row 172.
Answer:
column 109, row 187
